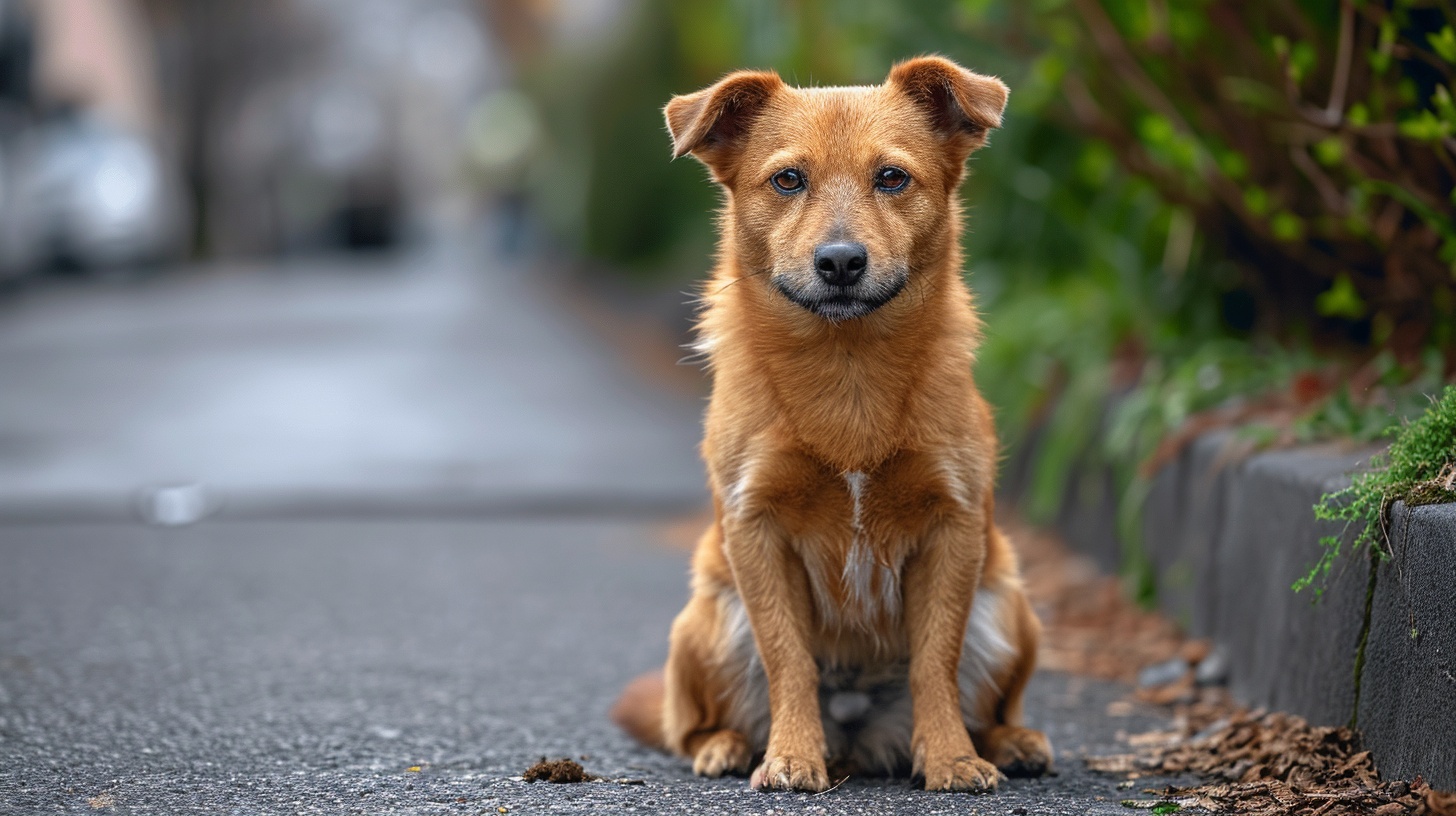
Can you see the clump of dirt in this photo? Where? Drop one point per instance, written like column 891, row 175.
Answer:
column 559, row 771
column 1273, row 763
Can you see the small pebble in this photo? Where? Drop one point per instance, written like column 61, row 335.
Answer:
column 1213, row 670
column 1161, row 674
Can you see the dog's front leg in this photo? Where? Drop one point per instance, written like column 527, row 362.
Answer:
column 775, row 592
column 940, row 584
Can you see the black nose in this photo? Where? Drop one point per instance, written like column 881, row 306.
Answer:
column 841, row 263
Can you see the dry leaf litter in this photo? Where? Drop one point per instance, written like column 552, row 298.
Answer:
column 1261, row 763
column 1256, row 763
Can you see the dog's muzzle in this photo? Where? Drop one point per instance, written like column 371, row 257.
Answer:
column 835, row 303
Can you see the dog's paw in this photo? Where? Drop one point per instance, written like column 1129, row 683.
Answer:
column 963, row 773
column 791, row 773
column 1019, row 751
column 726, row 752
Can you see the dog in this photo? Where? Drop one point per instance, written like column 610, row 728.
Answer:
column 854, row 607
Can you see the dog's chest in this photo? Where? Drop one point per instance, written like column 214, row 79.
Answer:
column 854, row 565
column 852, row 530
column 853, row 534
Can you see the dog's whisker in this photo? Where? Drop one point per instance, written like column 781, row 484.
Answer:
column 831, row 789
column 740, row 278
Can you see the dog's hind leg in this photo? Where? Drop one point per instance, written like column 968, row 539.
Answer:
column 716, row 753
column 700, row 693
column 1014, row 749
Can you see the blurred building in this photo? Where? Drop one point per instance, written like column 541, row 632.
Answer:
column 136, row 131
column 323, row 122
column 83, row 178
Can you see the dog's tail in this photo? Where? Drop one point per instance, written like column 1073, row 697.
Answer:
column 639, row 710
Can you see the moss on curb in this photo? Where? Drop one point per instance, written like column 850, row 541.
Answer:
column 1418, row 469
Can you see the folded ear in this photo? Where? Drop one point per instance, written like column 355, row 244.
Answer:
column 963, row 105
column 710, row 122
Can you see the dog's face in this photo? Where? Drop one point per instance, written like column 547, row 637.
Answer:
column 839, row 195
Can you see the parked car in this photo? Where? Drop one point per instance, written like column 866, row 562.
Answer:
column 84, row 193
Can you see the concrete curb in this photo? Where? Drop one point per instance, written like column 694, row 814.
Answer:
column 1228, row 536
column 1408, row 692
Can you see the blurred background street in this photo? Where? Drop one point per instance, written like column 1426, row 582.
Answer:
column 347, row 462
column 259, row 264
column 450, row 377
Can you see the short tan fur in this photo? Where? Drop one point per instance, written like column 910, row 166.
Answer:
column 854, row 605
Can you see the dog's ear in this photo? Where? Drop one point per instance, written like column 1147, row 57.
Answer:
column 710, row 123
column 964, row 106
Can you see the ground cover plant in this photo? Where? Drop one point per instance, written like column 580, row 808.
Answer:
column 1418, row 469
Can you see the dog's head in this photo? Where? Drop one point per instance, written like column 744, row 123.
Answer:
column 838, row 196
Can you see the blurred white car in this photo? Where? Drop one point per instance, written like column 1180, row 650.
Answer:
column 79, row 191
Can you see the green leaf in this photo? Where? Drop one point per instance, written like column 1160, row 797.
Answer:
column 1256, row 200
column 1444, row 43
column 1287, row 226
column 1426, row 126
column 1187, row 22
column 1448, row 247
column 1341, row 300
column 1233, row 164
column 1329, row 151
column 1050, row 69
column 1301, row 60
column 1380, row 55
column 1155, row 130
column 1441, row 102
column 1096, row 164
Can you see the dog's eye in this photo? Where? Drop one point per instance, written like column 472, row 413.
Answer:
column 788, row 181
column 891, row 179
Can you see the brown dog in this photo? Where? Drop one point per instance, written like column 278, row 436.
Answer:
column 853, row 599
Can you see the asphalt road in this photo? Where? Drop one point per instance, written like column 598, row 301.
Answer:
column 307, row 667
column 428, row 551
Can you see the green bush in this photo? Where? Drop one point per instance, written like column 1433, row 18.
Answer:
column 1313, row 142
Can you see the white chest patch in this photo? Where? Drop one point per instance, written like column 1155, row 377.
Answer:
column 869, row 588
column 859, row 564
column 856, row 481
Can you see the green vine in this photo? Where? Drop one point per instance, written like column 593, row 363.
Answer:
column 1418, row 469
